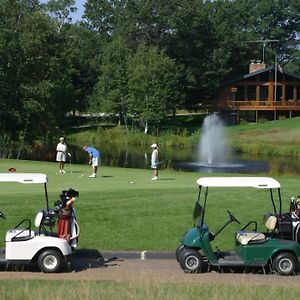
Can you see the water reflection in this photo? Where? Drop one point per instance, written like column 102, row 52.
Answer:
column 178, row 159
column 231, row 166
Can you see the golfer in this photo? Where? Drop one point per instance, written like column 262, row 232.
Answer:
column 94, row 155
column 61, row 150
column 154, row 161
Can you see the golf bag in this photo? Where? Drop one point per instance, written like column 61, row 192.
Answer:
column 67, row 225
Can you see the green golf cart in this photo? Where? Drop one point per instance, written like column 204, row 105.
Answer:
column 277, row 246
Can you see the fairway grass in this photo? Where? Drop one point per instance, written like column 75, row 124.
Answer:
column 123, row 209
column 82, row 290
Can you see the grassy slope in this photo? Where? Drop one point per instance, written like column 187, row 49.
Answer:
column 144, row 215
column 272, row 138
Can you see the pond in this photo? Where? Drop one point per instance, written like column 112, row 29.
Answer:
column 175, row 158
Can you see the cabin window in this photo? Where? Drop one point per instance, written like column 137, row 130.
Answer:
column 240, row 94
column 289, row 93
column 264, row 92
column 251, row 93
column 278, row 93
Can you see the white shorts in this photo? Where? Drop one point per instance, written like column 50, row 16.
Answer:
column 61, row 156
column 153, row 165
column 95, row 161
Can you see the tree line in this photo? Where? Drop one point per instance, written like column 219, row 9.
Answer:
column 140, row 60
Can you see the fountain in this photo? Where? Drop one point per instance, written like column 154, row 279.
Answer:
column 213, row 152
column 212, row 148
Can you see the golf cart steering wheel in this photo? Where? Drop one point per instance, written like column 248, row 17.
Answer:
column 232, row 217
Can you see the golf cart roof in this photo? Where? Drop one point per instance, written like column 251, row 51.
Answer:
column 23, row 177
column 255, row 182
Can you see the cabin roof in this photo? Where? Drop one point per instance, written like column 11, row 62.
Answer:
column 252, row 74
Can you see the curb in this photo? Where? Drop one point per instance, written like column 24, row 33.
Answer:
column 143, row 255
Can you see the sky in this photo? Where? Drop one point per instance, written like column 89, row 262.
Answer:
column 80, row 8
column 79, row 4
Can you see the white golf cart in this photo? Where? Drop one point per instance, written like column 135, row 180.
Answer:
column 41, row 247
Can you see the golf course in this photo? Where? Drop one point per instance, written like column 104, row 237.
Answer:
column 124, row 210
column 115, row 116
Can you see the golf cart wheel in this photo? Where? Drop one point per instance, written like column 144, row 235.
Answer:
column 191, row 261
column 285, row 264
column 179, row 251
column 50, row 261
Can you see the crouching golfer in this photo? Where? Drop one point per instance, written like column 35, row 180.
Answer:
column 94, row 155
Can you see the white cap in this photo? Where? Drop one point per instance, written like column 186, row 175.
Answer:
column 153, row 146
column 61, row 138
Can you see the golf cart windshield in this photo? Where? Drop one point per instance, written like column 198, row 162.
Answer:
column 255, row 182
column 27, row 178
column 23, row 177
column 238, row 182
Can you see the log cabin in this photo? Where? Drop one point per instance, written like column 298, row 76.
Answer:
column 264, row 93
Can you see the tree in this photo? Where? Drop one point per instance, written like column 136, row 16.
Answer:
column 271, row 20
column 111, row 92
column 33, row 78
column 154, row 86
column 100, row 15
column 82, row 51
column 60, row 11
column 25, row 35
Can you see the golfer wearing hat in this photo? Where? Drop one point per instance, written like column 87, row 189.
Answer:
column 154, row 161
column 61, row 149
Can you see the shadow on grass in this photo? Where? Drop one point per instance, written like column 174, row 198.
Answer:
column 79, row 260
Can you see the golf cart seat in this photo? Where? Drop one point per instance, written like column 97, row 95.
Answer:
column 43, row 220
column 246, row 237
column 22, row 232
column 15, row 235
column 270, row 221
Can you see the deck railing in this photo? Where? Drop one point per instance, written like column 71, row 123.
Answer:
column 273, row 104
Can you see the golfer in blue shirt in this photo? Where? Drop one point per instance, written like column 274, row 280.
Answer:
column 94, row 155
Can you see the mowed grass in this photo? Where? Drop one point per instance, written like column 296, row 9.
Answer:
column 40, row 289
column 123, row 209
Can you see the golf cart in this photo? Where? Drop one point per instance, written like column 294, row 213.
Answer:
column 276, row 247
column 40, row 246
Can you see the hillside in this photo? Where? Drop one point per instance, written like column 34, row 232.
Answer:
column 274, row 138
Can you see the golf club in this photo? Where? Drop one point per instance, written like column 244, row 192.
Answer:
column 161, row 162
column 70, row 161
